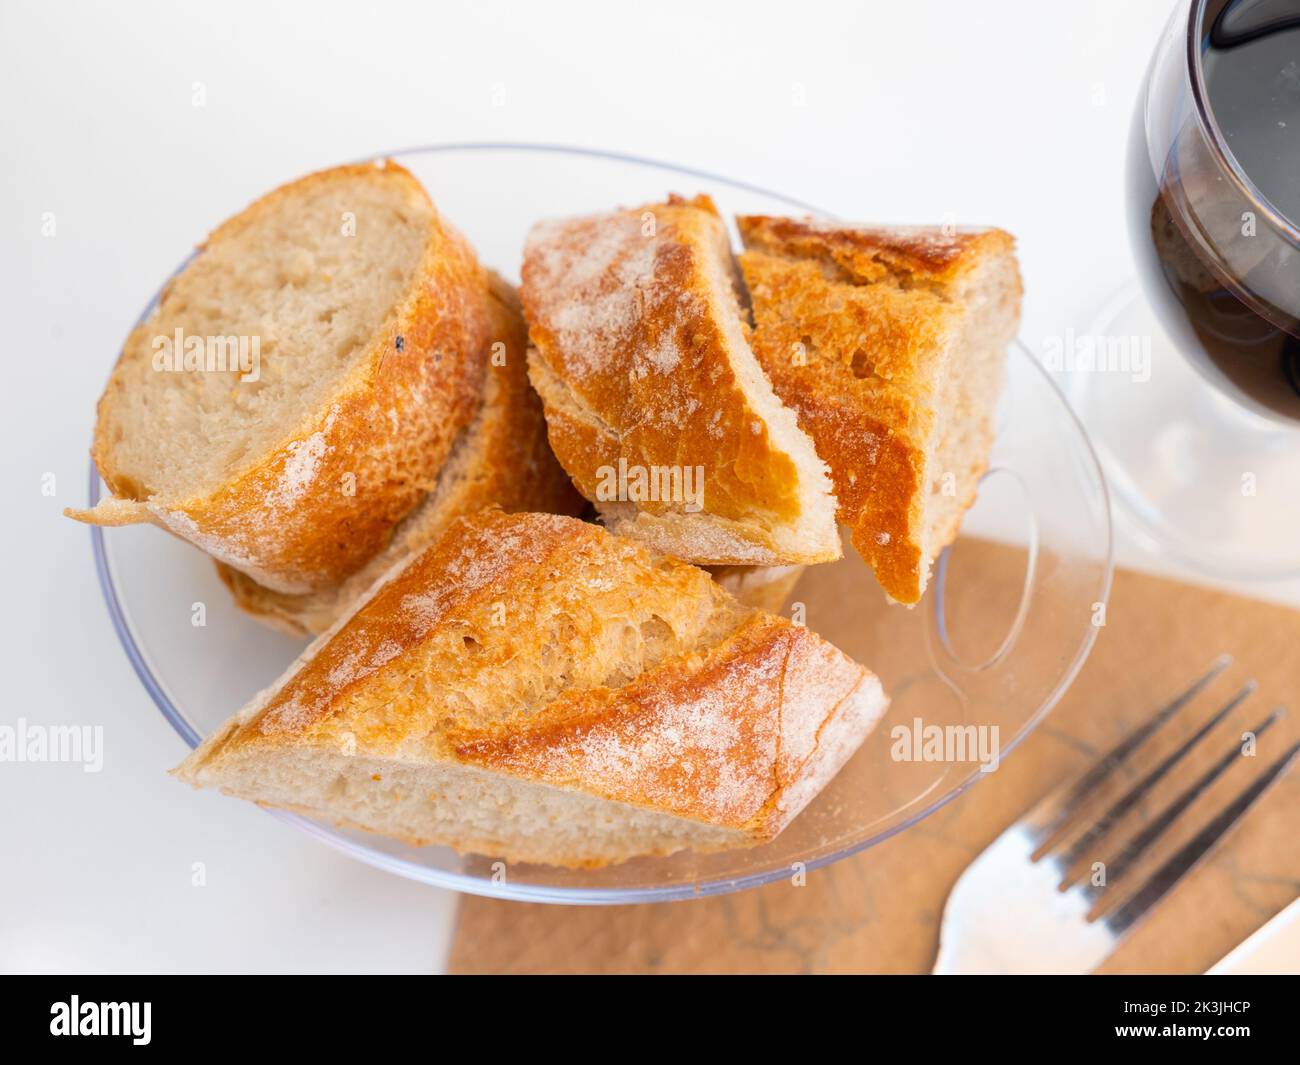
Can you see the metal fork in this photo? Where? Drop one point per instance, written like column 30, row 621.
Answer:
column 1018, row 909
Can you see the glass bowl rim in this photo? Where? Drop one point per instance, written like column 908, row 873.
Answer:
column 523, row 892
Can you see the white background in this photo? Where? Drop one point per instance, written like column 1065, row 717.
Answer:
column 1011, row 112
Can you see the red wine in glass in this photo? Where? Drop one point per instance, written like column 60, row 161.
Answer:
column 1215, row 202
column 1202, row 448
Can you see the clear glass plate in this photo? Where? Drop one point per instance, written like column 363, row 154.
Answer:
column 990, row 645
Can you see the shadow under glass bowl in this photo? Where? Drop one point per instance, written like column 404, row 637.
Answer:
column 1011, row 614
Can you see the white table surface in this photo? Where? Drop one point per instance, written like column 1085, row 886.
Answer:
column 1013, row 112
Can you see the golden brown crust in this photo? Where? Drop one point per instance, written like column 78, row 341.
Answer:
column 502, row 459
column 633, row 358
column 739, row 733
column 924, row 255
column 386, row 430
column 714, row 738
column 852, row 326
column 477, row 561
column 480, row 586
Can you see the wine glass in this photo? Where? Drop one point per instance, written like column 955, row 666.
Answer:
column 1210, row 475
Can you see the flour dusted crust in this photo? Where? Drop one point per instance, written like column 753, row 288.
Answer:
column 283, row 518
column 640, row 355
column 888, row 344
column 638, row 705
column 501, row 459
column 729, row 737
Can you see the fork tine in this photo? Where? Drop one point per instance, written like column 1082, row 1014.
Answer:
column 1164, row 878
column 1121, row 752
column 1129, row 799
column 1121, row 863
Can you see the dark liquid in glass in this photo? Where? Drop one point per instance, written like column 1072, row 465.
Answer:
column 1240, row 320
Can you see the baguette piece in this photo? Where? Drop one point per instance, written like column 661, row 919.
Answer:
column 889, row 344
column 372, row 323
column 500, row 459
column 535, row 688
column 654, row 402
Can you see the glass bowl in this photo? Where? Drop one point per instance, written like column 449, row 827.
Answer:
column 1010, row 616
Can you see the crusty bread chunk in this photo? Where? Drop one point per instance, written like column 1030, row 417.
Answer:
column 535, row 688
column 369, row 320
column 889, row 344
column 654, row 402
column 500, row 459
